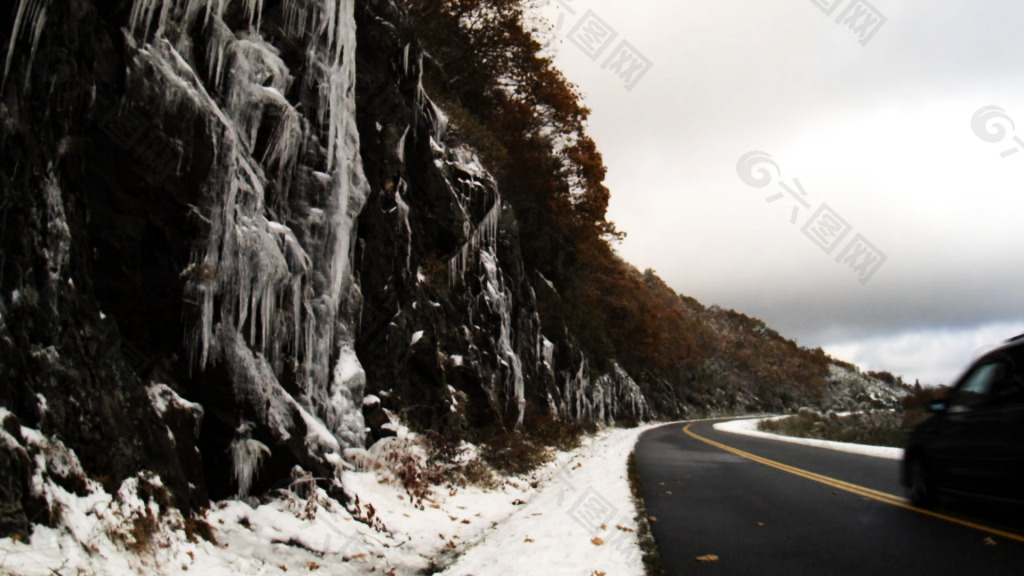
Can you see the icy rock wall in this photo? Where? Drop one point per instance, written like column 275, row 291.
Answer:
column 272, row 279
column 450, row 311
column 604, row 399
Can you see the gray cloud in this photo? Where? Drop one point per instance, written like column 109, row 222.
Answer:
column 880, row 133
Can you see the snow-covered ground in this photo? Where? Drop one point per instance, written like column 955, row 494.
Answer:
column 572, row 516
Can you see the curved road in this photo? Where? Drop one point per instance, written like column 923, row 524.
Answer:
column 731, row 504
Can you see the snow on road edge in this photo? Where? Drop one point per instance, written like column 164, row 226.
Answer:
column 581, row 521
column 748, row 427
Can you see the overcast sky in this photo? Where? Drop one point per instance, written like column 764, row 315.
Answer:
column 839, row 169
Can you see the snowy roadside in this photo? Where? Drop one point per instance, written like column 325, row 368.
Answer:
column 571, row 516
column 748, row 427
column 581, row 520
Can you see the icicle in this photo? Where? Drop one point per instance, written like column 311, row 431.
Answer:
column 254, row 8
column 403, row 211
column 499, row 301
column 141, row 17
column 33, row 11
column 246, row 455
column 482, row 237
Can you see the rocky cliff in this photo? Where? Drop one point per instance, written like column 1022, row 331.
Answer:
column 236, row 241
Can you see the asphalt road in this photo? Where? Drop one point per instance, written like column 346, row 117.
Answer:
column 756, row 506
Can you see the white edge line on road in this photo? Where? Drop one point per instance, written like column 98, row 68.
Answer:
column 748, row 427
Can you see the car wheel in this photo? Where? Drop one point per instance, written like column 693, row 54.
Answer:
column 920, row 486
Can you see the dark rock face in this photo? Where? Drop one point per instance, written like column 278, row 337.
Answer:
column 212, row 239
column 66, row 223
column 449, row 309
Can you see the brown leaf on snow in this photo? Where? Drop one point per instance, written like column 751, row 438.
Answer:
column 528, row 539
column 623, row 528
column 597, row 541
column 707, row 558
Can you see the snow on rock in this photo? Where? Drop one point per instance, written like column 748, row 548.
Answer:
column 849, row 389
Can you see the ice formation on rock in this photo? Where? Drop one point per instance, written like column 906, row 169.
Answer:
column 271, row 281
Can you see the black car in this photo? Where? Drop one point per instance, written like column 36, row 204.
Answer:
column 973, row 442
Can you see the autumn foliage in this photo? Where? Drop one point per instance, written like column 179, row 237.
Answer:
column 485, row 67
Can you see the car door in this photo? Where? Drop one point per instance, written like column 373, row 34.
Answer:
column 982, row 432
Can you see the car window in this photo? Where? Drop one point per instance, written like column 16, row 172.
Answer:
column 985, row 383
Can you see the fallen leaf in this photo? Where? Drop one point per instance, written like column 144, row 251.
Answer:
column 707, row 558
column 989, row 541
column 597, row 541
column 668, row 492
column 465, row 520
column 760, row 524
column 623, row 528
column 652, row 518
column 528, row 539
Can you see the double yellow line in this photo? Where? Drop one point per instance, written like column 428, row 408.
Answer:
column 883, row 497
